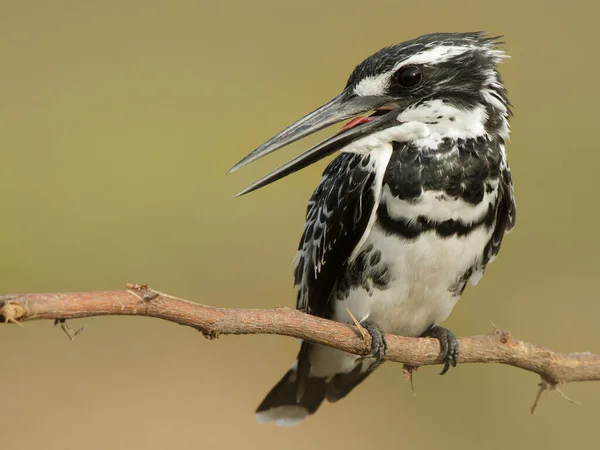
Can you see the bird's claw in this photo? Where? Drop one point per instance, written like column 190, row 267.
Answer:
column 449, row 347
column 378, row 344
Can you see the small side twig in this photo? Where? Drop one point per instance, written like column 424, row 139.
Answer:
column 67, row 330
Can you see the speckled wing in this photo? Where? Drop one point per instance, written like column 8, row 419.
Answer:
column 338, row 216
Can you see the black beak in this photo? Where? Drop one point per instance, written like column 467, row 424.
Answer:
column 342, row 107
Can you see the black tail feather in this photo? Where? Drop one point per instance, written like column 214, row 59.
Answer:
column 341, row 384
column 281, row 405
column 298, row 394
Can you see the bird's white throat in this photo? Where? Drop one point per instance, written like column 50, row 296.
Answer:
column 446, row 120
column 425, row 125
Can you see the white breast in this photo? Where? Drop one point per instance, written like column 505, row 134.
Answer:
column 423, row 271
column 418, row 296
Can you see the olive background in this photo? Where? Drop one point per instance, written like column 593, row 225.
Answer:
column 118, row 121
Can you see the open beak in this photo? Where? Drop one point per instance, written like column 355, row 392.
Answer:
column 342, row 107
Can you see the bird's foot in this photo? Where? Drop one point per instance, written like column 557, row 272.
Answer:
column 378, row 344
column 449, row 348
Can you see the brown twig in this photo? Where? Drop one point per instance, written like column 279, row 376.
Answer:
column 139, row 300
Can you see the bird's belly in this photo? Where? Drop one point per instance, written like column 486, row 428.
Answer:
column 412, row 284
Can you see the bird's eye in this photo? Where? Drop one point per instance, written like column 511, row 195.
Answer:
column 409, row 76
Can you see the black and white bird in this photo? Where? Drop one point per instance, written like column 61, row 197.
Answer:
column 414, row 207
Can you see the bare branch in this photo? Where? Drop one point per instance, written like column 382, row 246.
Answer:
column 138, row 300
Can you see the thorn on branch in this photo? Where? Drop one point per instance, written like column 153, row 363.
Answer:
column 362, row 330
column 547, row 386
column 505, row 337
column 149, row 296
column 544, row 386
column 570, row 400
column 66, row 329
column 408, row 372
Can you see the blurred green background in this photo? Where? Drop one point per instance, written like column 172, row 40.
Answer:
column 118, row 121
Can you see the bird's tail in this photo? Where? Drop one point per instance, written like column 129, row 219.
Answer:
column 295, row 396
column 298, row 394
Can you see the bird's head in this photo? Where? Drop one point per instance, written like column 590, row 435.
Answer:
column 455, row 72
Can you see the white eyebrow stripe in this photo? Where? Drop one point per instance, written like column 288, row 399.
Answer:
column 377, row 85
column 435, row 55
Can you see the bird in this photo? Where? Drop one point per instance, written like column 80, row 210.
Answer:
column 414, row 206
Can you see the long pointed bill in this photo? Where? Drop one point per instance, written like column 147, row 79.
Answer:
column 342, row 107
column 345, row 137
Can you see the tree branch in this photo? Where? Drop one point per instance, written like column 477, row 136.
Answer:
column 138, row 300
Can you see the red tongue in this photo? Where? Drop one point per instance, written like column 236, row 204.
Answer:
column 356, row 121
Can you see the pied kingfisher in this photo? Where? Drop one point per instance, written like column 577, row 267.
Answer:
column 414, row 207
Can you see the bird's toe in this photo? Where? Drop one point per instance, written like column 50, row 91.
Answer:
column 449, row 347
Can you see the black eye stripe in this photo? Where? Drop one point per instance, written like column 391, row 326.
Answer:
column 409, row 76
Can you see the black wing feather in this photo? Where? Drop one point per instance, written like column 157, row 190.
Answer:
column 505, row 214
column 337, row 217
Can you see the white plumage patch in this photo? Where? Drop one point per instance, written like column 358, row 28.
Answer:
column 425, row 125
column 373, row 85
column 445, row 120
column 382, row 158
column 435, row 55
column 438, row 207
column 405, row 132
column 326, row 361
column 283, row 416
